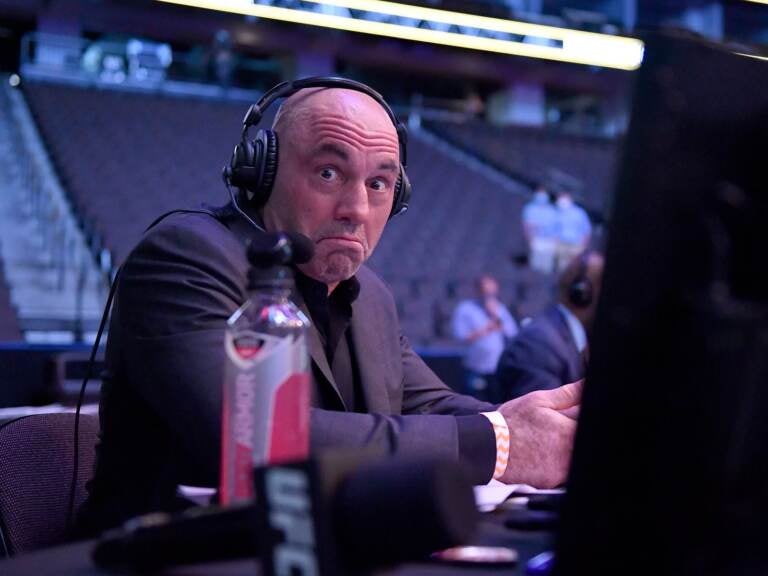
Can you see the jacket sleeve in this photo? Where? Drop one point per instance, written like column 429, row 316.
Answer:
column 435, row 421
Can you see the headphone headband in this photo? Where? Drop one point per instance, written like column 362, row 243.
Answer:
column 291, row 87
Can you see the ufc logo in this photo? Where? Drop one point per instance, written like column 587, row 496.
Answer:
column 290, row 512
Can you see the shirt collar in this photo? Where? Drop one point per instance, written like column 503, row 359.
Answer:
column 575, row 327
column 315, row 292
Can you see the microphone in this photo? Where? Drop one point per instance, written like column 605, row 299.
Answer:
column 280, row 248
column 197, row 535
column 377, row 514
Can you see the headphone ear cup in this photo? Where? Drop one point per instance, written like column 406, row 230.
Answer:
column 240, row 165
column 268, row 163
column 402, row 196
column 580, row 293
column 254, row 166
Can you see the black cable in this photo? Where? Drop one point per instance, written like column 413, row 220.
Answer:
column 225, row 177
column 80, row 398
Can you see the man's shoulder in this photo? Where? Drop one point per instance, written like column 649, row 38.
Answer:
column 542, row 324
column 196, row 231
column 201, row 223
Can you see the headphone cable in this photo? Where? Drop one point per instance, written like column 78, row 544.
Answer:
column 81, row 397
column 233, row 199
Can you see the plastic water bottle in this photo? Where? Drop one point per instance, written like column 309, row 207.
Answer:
column 266, row 392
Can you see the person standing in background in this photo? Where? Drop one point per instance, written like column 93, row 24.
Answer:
column 483, row 324
column 540, row 230
column 574, row 230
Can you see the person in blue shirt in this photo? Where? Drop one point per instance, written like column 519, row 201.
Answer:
column 483, row 324
column 540, row 230
column 574, row 230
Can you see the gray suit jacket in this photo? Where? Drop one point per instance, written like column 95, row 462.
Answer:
column 161, row 398
column 542, row 356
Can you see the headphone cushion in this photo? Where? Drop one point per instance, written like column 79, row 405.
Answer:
column 580, row 293
column 270, row 153
column 402, row 194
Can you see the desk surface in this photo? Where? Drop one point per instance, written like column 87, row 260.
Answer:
column 75, row 559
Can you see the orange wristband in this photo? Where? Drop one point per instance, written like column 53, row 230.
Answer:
column 501, row 430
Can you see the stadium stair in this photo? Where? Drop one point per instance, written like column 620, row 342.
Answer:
column 54, row 282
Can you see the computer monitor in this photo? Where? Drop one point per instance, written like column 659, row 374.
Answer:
column 670, row 465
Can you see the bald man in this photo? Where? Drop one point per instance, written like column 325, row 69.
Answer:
column 161, row 401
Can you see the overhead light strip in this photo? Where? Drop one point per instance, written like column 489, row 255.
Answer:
column 470, row 20
column 577, row 47
column 755, row 56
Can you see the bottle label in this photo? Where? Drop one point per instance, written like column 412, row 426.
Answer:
column 266, row 400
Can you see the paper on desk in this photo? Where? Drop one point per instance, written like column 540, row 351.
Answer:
column 200, row 495
column 490, row 495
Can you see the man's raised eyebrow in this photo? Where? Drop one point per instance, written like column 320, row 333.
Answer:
column 331, row 148
column 389, row 165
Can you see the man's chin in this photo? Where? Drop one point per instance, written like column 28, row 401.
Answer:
column 332, row 270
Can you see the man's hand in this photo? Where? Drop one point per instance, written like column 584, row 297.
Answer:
column 542, row 425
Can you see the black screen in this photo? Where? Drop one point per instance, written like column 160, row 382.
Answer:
column 670, row 466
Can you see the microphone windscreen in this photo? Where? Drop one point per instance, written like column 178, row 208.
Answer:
column 303, row 247
column 279, row 249
column 197, row 535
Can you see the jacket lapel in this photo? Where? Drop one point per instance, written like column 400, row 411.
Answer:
column 368, row 339
column 317, row 351
column 574, row 358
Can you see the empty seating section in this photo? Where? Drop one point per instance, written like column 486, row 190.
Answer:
column 127, row 157
column 586, row 165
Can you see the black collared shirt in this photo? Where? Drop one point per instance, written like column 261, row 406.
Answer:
column 331, row 316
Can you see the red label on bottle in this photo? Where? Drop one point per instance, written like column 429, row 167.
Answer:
column 265, row 409
column 290, row 429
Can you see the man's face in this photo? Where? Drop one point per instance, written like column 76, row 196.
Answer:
column 488, row 287
column 338, row 166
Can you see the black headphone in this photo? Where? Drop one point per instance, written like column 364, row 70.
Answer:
column 580, row 291
column 253, row 166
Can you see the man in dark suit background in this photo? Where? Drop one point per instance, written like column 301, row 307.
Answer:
column 339, row 163
column 551, row 350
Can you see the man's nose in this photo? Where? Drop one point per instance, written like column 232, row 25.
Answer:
column 353, row 202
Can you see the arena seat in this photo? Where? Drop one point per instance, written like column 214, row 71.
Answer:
column 36, row 459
